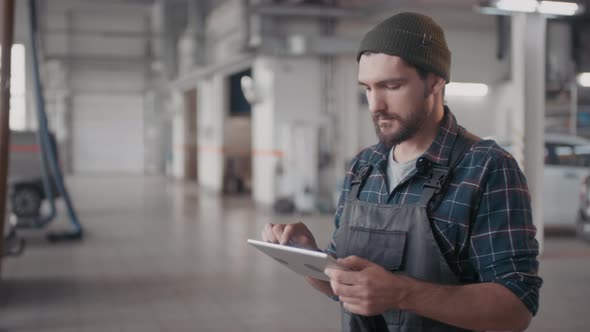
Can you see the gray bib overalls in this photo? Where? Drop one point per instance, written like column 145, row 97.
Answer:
column 399, row 238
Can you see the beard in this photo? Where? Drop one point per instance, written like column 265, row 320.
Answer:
column 408, row 127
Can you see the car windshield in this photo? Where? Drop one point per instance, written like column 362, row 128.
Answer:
column 561, row 154
column 567, row 155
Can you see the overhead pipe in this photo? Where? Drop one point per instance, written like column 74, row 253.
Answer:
column 307, row 11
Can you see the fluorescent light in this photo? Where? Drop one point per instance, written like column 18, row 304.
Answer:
column 466, row 89
column 562, row 8
column 558, row 8
column 525, row 6
column 584, row 80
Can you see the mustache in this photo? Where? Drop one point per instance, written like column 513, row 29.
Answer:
column 382, row 115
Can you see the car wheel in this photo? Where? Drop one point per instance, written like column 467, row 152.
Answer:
column 26, row 202
column 583, row 228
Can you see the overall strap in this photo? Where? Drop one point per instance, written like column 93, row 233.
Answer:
column 359, row 179
column 438, row 178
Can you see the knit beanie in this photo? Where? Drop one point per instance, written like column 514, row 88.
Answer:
column 413, row 37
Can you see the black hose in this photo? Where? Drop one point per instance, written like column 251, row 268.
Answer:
column 48, row 150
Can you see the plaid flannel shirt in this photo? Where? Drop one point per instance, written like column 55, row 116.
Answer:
column 483, row 225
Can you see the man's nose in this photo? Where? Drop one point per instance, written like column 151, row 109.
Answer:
column 376, row 101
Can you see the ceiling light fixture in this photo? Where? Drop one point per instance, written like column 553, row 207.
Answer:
column 584, row 80
column 549, row 8
column 466, row 89
column 524, row 6
column 558, row 8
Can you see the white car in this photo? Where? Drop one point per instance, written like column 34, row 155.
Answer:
column 25, row 174
column 567, row 164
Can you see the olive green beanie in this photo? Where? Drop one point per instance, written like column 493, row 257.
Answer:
column 413, row 37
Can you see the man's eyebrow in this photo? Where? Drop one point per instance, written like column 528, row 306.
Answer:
column 395, row 80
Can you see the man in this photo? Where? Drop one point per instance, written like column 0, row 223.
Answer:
column 434, row 223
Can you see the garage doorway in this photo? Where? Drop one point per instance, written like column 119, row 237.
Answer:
column 237, row 175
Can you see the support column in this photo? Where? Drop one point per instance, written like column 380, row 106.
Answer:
column 528, row 68
column 6, row 35
column 178, row 153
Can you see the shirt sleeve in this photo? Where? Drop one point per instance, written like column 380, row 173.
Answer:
column 503, row 245
column 331, row 249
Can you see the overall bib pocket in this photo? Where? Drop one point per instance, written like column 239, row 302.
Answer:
column 385, row 248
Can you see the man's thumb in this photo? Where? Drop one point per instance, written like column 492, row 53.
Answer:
column 355, row 263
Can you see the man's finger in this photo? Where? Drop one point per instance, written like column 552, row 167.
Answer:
column 342, row 277
column 350, row 300
column 277, row 230
column 355, row 309
column 288, row 232
column 343, row 289
column 267, row 234
column 355, row 263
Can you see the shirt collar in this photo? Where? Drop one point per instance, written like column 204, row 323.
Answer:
column 439, row 151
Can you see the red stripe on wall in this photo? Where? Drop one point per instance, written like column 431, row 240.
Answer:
column 24, row 148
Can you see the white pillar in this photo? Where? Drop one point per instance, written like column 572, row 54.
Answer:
column 528, row 68
column 285, row 123
column 265, row 134
column 178, row 155
column 212, row 110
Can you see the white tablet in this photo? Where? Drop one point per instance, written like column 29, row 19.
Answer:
column 303, row 261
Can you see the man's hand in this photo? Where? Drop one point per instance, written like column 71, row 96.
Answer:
column 368, row 289
column 297, row 234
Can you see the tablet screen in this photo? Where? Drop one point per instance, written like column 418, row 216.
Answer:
column 303, row 261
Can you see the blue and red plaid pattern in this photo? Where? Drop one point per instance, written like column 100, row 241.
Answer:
column 483, row 225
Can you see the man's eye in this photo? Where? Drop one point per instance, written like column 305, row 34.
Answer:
column 392, row 87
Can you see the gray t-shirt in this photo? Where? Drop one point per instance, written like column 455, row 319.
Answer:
column 397, row 172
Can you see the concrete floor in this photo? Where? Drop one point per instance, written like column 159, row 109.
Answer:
column 160, row 256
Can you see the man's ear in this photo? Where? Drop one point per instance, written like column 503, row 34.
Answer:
column 436, row 84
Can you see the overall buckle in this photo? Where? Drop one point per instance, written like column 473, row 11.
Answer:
column 361, row 174
column 436, row 178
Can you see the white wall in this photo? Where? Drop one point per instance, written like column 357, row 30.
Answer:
column 474, row 56
column 108, row 134
column 95, row 73
column 298, row 89
column 350, row 114
column 474, row 60
column 224, row 32
column 476, row 114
